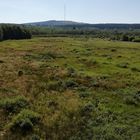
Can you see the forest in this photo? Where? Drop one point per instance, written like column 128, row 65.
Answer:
column 111, row 31
column 116, row 32
column 9, row 31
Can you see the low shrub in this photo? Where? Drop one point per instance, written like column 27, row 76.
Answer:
column 136, row 40
column 20, row 73
column 13, row 105
column 70, row 83
column 109, row 57
column 137, row 96
column 135, row 69
column 71, row 72
column 113, row 50
column 87, row 109
column 48, row 55
column 35, row 137
column 133, row 100
column 84, row 94
column 24, row 121
column 125, row 37
column 105, row 117
column 54, row 85
column 130, row 101
column 52, row 104
column 1, row 61
column 123, row 65
column 91, row 62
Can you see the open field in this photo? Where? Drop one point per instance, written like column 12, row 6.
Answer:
column 69, row 89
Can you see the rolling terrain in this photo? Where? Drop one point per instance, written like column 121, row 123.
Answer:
column 62, row 23
column 55, row 23
column 60, row 88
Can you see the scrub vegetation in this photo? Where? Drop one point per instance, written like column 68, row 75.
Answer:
column 69, row 88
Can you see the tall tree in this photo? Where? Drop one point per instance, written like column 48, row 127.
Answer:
column 1, row 34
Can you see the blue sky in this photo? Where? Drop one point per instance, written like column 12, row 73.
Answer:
column 92, row 11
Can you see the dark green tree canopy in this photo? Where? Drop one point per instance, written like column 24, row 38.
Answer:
column 1, row 34
column 8, row 31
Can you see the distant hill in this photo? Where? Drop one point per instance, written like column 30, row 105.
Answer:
column 55, row 23
column 62, row 23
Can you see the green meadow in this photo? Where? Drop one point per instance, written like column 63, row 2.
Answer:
column 69, row 88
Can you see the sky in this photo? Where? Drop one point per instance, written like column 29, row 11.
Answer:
column 89, row 11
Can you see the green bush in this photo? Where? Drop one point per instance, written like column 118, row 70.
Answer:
column 54, row 85
column 71, row 72
column 125, row 38
column 24, row 121
column 133, row 100
column 90, row 62
column 87, row 109
column 130, row 101
column 84, row 94
column 131, row 38
column 123, row 65
column 35, row 137
column 70, row 84
column 135, row 69
column 137, row 96
column 13, row 105
column 136, row 40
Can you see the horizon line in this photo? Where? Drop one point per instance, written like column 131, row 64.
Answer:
column 71, row 21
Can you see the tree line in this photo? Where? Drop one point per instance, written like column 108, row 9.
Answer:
column 132, row 35
column 10, row 31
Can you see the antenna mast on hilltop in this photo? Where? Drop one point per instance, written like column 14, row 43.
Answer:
column 64, row 10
